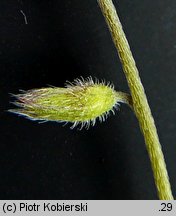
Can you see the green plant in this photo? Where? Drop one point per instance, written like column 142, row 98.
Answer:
column 83, row 101
column 140, row 104
column 79, row 103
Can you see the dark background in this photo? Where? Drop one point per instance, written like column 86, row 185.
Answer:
column 62, row 41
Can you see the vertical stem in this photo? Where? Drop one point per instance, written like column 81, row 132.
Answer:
column 139, row 100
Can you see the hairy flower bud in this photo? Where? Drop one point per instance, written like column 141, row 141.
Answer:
column 80, row 102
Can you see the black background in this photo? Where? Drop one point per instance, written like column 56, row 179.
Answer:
column 62, row 41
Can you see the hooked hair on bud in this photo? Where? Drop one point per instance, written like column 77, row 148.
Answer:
column 81, row 102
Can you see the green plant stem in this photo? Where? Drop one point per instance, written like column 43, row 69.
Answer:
column 140, row 104
column 124, row 98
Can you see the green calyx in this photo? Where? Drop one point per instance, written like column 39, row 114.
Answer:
column 82, row 101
